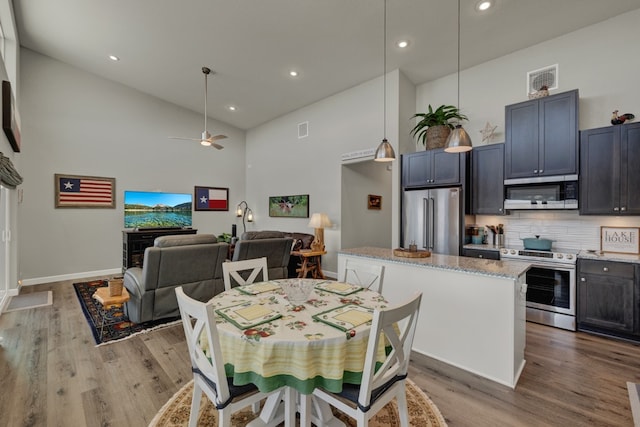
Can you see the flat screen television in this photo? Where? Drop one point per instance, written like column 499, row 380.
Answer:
column 147, row 209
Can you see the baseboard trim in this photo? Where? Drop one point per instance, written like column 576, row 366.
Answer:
column 73, row 276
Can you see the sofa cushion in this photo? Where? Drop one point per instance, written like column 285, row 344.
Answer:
column 266, row 234
column 184, row 240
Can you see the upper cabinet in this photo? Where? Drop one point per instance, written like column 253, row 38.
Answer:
column 609, row 176
column 542, row 137
column 433, row 168
column 487, row 182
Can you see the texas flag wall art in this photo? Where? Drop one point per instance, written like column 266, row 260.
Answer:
column 75, row 191
column 211, row 199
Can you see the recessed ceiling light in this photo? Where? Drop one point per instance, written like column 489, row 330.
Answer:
column 114, row 58
column 231, row 108
column 293, row 73
column 483, row 5
column 402, row 44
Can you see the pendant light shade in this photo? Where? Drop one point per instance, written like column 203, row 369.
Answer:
column 458, row 140
column 384, row 152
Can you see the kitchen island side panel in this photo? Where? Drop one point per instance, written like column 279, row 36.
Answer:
column 472, row 321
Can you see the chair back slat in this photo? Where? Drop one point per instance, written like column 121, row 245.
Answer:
column 198, row 321
column 397, row 326
column 366, row 275
column 234, row 269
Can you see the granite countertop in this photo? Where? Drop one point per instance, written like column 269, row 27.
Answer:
column 509, row 269
column 608, row 256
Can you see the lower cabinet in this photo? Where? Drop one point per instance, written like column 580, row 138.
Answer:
column 480, row 253
column 608, row 298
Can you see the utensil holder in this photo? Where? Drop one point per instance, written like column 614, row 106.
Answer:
column 501, row 240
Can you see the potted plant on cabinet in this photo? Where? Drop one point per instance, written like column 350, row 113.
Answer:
column 434, row 125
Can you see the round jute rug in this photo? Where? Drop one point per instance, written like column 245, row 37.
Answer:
column 422, row 411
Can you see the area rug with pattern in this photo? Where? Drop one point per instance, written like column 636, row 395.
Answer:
column 422, row 411
column 116, row 324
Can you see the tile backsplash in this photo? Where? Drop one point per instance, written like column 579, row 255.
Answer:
column 571, row 232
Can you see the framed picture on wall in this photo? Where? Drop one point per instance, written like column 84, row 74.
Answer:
column 9, row 123
column 289, row 206
column 623, row 240
column 78, row 191
column 211, row 198
column 374, row 202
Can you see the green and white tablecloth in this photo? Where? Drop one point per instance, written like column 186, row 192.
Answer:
column 269, row 342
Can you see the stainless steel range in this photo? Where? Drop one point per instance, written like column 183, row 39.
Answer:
column 551, row 286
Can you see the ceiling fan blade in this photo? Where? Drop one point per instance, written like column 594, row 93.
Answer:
column 217, row 146
column 218, row 137
column 186, row 139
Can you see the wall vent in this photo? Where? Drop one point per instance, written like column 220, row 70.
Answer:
column 547, row 76
column 303, row 130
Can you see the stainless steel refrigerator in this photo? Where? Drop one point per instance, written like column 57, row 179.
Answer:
column 432, row 220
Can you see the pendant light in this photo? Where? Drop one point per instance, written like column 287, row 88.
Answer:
column 458, row 140
column 384, row 152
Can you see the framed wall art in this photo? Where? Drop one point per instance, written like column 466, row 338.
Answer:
column 211, row 198
column 77, row 191
column 289, row 206
column 9, row 123
column 374, row 202
column 623, row 240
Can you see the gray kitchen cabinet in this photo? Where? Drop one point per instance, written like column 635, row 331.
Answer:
column 433, row 168
column 480, row 253
column 607, row 296
column 542, row 137
column 609, row 176
column 487, row 180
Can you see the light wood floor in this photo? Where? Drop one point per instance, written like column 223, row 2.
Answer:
column 51, row 374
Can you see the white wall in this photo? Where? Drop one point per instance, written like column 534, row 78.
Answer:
column 600, row 61
column 77, row 123
column 279, row 164
column 593, row 60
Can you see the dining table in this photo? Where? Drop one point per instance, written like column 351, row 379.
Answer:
column 290, row 348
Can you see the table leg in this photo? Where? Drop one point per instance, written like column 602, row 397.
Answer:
column 320, row 274
column 273, row 412
column 303, row 268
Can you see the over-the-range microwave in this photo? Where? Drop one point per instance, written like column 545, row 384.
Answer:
column 552, row 192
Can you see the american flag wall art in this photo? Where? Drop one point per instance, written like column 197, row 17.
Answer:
column 75, row 191
column 211, row 199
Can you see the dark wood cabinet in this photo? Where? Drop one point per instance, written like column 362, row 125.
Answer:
column 135, row 242
column 433, row 168
column 480, row 253
column 608, row 298
column 487, row 180
column 609, row 176
column 542, row 137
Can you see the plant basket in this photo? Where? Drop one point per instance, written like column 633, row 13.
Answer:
column 115, row 287
column 437, row 136
column 539, row 94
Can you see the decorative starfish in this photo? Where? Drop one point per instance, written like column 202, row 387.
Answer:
column 488, row 131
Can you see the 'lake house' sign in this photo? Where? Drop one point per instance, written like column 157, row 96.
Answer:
column 623, row 240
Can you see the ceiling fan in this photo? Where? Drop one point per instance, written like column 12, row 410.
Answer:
column 207, row 140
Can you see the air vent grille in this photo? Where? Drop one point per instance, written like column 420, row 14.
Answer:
column 303, row 130
column 547, row 76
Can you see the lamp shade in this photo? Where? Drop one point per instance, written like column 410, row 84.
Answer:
column 319, row 220
column 458, row 141
column 384, row 152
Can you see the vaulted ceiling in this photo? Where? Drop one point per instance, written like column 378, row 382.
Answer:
column 253, row 44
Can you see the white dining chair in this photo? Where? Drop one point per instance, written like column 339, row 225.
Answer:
column 207, row 364
column 368, row 276
column 379, row 387
column 233, row 270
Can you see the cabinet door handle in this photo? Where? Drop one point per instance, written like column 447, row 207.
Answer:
column 582, row 279
column 623, row 209
column 616, row 209
column 535, row 171
column 541, row 170
column 479, row 256
column 605, row 269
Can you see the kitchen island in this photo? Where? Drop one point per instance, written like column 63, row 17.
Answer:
column 472, row 314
